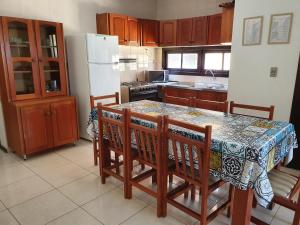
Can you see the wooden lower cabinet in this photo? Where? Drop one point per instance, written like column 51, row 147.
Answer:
column 64, row 122
column 45, row 124
column 36, row 124
column 219, row 96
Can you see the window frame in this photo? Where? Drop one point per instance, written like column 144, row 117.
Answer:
column 200, row 71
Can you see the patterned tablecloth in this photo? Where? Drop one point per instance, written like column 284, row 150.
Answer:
column 244, row 149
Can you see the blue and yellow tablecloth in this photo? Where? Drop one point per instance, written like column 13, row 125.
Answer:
column 244, row 149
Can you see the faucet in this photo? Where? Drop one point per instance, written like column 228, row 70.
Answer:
column 212, row 73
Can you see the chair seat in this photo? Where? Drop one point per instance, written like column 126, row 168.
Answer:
column 282, row 183
column 290, row 171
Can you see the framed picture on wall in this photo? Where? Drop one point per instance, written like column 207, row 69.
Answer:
column 280, row 28
column 252, row 30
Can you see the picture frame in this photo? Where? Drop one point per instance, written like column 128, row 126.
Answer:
column 252, row 30
column 280, row 28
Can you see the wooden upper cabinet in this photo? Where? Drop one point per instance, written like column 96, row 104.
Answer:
column 134, row 31
column 37, row 128
column 200, row 30
column 227, row 25
column 150, row 32
column 126, row 28
column 168, row 32
column 21, row 58
column 192, row 31
column 214, row 30
column 118, row 27
column 185, row 32
column 51, row 57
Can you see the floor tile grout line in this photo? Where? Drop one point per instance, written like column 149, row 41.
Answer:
column 147, row 205
column 16, row 219
column 91, row 215
column 61, row 215
column 72, row 161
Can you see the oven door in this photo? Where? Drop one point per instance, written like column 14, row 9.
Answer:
column 144, row 95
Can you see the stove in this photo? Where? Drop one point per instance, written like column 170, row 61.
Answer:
column 138, row 90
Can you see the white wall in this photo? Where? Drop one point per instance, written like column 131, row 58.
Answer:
column 76, row 15
column 178, row 9
column 249, row 80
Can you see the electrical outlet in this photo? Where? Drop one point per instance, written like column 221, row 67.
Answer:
column 273, row 71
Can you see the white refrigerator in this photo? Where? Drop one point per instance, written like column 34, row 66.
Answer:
column 93, row 70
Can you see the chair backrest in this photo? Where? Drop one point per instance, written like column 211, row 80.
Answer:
column 147, row 132
column 210, row 105
column 269, row 110
column 112, row 127
column 191, row 156
column 94, row 100
column 177, row 100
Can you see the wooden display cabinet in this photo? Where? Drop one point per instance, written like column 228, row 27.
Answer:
column 214, row 29
column 38, row 113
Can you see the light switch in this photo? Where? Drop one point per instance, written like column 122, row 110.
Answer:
column 273, row 71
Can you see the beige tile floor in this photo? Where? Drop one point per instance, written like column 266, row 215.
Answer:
column 63, row 188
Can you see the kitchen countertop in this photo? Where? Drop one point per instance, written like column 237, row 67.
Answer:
column 196, row 86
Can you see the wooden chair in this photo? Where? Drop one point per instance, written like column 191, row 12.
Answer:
column 192, row 161
column 112, row 138
column 210, row 105
column 285, row 183
column 269, row 110
column 148, row 151
column 93, row 104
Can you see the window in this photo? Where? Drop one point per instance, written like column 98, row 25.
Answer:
column 196, row 60
column 217, row 61
column 182, row 61
column 174, row 61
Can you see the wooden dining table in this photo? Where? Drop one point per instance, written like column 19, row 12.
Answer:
column 244, row 149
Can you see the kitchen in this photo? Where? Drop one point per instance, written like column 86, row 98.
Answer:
column 193, row 51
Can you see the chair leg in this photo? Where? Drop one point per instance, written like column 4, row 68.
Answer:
column 231, row 196
column 142, row 166
column 170, row 178
column 296, row 220
column 193, row 193
column 117, row 162
column 186, row 194
column 95, row 152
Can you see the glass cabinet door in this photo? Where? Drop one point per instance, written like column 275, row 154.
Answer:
column 21, row 58
column 51, row 58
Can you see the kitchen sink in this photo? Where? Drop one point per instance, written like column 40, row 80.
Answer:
column 213, row 86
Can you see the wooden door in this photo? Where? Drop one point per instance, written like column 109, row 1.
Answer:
column 168, row 32
column 37, row 128
column 64, row 122
column 227, row 24
column 214, row 29
column 200, row 30
column 51, row 57
column 21, row 58
column 118, row 27
column 150, row 33
column 134, row 31
column 185, row 32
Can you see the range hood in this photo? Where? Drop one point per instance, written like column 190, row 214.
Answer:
column 127, row 60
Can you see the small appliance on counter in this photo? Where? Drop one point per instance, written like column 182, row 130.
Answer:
column 157, row 76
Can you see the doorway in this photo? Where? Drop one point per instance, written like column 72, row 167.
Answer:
column 295, row 119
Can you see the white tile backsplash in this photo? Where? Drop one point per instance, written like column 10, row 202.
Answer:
column 148, row 58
